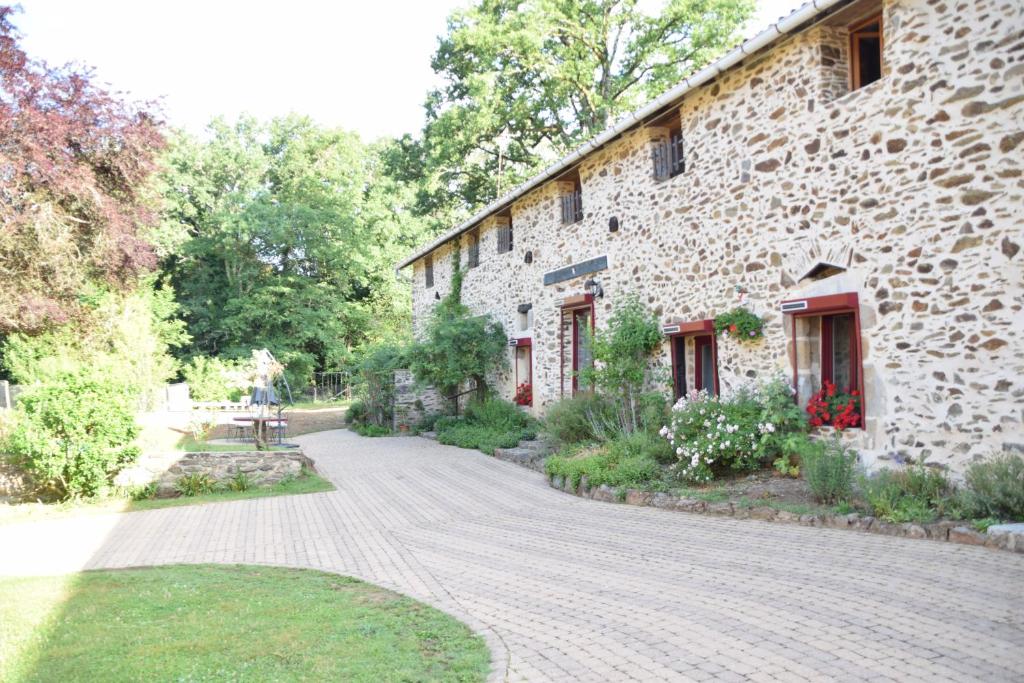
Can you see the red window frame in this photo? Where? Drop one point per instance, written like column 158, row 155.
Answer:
column 820, row 307
column 699, row 329
column 699, row 342
column 828, row 351
column 570, row 306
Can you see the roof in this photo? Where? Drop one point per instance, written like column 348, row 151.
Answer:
column 792, row 23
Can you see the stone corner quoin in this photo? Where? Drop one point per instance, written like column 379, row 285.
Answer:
column 899, row 204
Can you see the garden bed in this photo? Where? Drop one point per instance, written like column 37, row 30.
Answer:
column 770, row 504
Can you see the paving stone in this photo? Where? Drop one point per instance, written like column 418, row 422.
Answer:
column 564, row 588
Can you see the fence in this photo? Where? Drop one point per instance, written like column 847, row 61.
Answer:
column 331, row 386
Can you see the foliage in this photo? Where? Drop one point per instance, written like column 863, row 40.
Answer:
column 375, row 384
column 239, row 482
column 741, row 324
column 621, row 354
column 486, row 425
column 73, row 191
column 356, row 413
column 371, row 430
column 916, row 494
column 836, row 409
column 754, row 425
column 195, row 484
column 628, row 460
column 293, row 234
column 215, row 379
column 572, row 420
column 180, row 623
column 995, row 488
column 525, row 82
column 125, row 338
column 457, row 347
column 75, row 431
column 828, row 467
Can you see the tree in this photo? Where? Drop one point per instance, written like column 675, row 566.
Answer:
column 622, row 353
column 458, row 346
column 294, row 231
column 74, row 165
column 526, row 81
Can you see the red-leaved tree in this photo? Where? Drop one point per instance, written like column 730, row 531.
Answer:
column 74, row 165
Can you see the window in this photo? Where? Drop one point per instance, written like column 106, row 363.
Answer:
column 474, row 249
column 838, row 334
column 582, row 354
column 694, row 357
column 865, row 52
column 428, row 271
column 524, row 372
column 669, row 160
column 505, row 238
column 572, row 205
column 825, row 333
column 577, row 321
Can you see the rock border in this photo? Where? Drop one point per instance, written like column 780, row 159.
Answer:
column 949, row 531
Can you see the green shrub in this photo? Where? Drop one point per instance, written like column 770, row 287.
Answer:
column 916, row 494
column 213, row 379
column 626, row 461
column 195, row 484
column 76, row 432
column 828, row 467
column 356, row 413
column 486, row 425
column 573, row 420
column 239, row 482
column 429, row 422
column 370, row 430
column 995, row 488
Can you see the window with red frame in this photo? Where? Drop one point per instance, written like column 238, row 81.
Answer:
column 838, row 351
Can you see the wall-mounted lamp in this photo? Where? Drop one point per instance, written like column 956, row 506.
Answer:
column 437, row 296
column 594, row 289
column 613, row 224
column 528, row 258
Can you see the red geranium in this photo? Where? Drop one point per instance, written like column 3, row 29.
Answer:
column 836, row 409
column 524, row 394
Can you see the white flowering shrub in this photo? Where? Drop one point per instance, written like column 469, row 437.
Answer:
column 741, row 431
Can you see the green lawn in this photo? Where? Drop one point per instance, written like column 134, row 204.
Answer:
column 32, row 512
column 226, row 623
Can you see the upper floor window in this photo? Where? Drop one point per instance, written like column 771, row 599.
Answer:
column 865, row 52
column 505, row 238
column 669, row 160
column 572, row 204
column 474, row 249
column 428, row 270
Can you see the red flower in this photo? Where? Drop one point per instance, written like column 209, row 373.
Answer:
column 732, row 328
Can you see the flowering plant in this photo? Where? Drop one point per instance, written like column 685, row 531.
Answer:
column 750, row 426
column 741, row 324
column 524, row 394
column 831, row 407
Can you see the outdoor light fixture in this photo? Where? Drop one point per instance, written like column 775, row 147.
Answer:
column 437, row 296
column 613, row 224
column 594, row 289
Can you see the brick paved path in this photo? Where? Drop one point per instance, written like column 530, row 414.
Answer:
column 572, row 589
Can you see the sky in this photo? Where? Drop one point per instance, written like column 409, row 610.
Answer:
column 363, row 66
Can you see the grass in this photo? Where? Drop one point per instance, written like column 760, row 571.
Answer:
column 221, row 623
column 31, row 512
column 190, row 445
column 318, row 405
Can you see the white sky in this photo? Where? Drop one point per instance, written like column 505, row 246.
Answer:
column 364, row 66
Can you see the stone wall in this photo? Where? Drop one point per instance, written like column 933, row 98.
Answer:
column 413, row 403
column 263, row 468
column 912, row 185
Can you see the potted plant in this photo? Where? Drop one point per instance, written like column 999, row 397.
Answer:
column 740, row 324
column 830, row 407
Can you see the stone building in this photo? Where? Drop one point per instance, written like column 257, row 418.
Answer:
column 852, row 175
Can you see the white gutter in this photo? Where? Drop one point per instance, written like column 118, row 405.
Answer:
column 784, row 26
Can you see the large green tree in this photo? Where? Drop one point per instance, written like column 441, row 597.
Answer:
column 292, row 234
column 526, row 80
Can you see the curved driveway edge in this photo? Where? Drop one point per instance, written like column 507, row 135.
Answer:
column 570, row 589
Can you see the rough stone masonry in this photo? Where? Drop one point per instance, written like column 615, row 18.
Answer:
column 906, row 192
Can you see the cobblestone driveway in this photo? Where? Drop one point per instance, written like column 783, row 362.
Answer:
column 571, row 589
